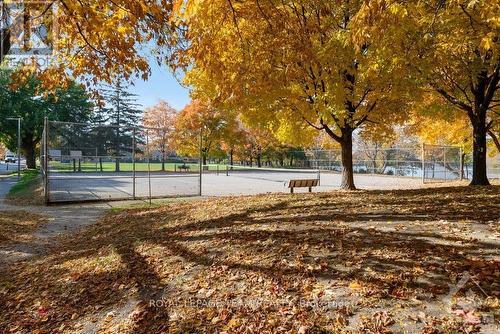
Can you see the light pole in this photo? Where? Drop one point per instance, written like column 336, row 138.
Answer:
column 18, row 119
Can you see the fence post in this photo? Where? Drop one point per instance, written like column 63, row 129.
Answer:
column 149, row 164
column 133, row 163
column 423, row 163
column 46, row 160
column 444, row 164
column 461, row 164
column 201, row 161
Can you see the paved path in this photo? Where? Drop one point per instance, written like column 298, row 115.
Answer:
column 61, row 220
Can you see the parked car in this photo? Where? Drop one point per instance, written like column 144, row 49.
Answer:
column 10, row 157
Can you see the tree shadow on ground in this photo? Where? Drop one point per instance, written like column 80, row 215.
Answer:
column 391, row 246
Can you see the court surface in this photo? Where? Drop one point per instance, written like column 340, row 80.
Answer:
column 115, row 186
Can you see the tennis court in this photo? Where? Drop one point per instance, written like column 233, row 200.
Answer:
column 215, row 181
column 266, row 181
column 77, row 187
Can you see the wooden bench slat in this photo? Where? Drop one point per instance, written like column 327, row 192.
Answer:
column 304, row 183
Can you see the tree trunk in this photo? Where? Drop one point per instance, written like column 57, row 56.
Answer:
column 204, row 160
column 259, row 162
column 231, row 157
column 29, row 152
column 347, row 168
column 163, row 160
column 479, row 174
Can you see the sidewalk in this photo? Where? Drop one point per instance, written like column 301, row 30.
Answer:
column 61, row 220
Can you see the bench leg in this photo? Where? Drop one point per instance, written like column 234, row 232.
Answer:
column 310, row 189
column 291, row 190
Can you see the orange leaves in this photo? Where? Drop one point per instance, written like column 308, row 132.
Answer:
column 355, row 285
column 161, row 119
column 101, row 39
column 17, row 226
column 218, row 127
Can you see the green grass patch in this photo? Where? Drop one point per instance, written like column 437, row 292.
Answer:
column 96, row 167
column 28, row 190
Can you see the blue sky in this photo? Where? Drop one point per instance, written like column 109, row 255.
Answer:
column 160, row 85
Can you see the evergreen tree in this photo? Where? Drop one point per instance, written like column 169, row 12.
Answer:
column 124, row 113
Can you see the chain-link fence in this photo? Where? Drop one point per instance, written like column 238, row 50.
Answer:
column 387, row 161
column 90, row 162
column 431, row 163
column 428, row 162
column 442, row 163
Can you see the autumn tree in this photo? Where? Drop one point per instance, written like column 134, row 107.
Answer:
column 454, row 47
column 160, row 121
column 376, row 147
column 292, row 64
column 200, row 118
column 93, row 40
column 234, row 139
column 258, row 142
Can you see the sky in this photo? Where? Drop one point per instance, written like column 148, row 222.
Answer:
column 160, row 85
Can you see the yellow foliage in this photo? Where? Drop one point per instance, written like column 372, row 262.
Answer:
column 291, row 67
column 99, row 39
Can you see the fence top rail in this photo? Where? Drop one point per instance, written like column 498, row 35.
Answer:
column 359, row 149
column 441, row 146
column 105, row 125
column 172, row 159
column 263, row 169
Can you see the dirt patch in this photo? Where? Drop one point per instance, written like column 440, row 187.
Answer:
column 364, row 261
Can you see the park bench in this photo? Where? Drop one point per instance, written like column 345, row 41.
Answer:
column 184, row 168
column 303, row 184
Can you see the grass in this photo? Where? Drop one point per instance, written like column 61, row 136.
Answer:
column 107, row 167
column 359, row 262
column 28, row 190
column 124, row 166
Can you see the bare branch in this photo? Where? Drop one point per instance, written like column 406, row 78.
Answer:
column 330, row 132
column 319, row 128
column 495, row 139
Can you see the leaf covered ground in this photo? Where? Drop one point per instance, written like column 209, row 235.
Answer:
column 18, row 226
column 415, row 261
